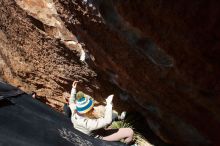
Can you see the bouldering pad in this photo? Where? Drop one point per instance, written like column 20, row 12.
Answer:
column 25, row 121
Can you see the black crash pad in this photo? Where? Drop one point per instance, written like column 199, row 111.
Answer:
column 25, row 121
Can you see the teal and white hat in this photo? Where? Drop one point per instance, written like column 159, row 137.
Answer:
column 83, row 105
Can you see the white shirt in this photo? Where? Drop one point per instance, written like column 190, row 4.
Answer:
column 85, row 124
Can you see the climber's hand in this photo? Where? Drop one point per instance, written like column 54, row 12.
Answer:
column 109, row 99
column 74, row 84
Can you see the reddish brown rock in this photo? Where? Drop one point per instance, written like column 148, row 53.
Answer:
column 156, row 57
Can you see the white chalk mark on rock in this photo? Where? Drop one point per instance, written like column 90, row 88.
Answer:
column 83, row 55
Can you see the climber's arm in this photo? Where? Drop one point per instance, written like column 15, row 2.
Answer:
column 73, row 96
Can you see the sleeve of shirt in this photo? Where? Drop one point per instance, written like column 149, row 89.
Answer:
column 72, row 96
column 93, row 124
column 72, row 100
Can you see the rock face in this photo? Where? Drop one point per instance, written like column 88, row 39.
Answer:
column 160, row 57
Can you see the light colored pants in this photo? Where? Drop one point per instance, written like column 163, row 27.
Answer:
column 123, row 133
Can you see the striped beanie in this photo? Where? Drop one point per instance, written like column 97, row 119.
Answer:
column 83, row 105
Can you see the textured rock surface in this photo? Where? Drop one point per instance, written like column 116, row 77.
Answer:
column 160, row 57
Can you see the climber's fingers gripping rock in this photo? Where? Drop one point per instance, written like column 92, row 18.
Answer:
column 74, row 84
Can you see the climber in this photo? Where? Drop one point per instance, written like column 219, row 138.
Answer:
column 83, row 118
column 98, row 110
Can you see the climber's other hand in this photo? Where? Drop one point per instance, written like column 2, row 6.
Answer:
column 109, row 99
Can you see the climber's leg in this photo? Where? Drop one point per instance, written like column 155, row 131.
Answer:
column 123, row 133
